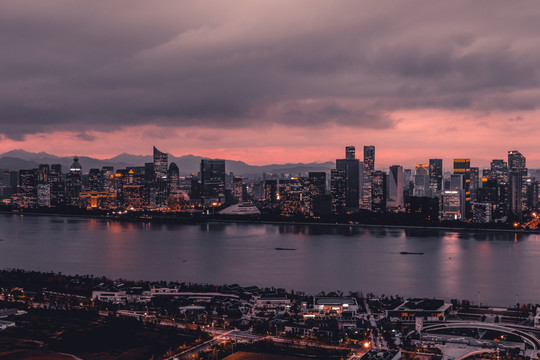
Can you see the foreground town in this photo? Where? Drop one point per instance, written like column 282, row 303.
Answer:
column 47, row 314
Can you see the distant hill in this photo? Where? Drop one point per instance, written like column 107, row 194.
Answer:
column 20, row 159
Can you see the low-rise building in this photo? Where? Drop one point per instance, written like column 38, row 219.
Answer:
column 428, row 309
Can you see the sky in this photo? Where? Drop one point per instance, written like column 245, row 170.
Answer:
column 272, row 81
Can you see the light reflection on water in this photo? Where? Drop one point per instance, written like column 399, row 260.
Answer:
column 490, row 267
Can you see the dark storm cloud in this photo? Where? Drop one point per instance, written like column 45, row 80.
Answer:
column 93, row 66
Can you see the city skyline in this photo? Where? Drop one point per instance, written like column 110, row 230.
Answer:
column 379, row 164
column 254, row 81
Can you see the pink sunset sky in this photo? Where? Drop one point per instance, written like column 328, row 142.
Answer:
column 272, row 81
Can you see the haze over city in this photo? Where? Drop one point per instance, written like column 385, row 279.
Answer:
column 269, row 82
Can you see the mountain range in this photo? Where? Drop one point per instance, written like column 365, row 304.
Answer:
column 20, row 159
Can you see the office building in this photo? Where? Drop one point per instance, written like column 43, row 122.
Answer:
column 378, row 191
column 338, row 190
column 435, row 176
column 74, row 183
column 173, row 177
column 213, row 180
column 517, row 170
column 463, row 167
column 395, row 187
column 369, row 167
column 351, row 170
column 160, row 164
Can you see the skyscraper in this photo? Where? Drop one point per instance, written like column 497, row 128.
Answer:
column 435, row 176
column 74, row 183
column 475, row 182
column 369, row 167
column 517, row 170
column 314, row 191
column 463, row 167
column 95, row 181
column 350, row 167
column 174, row 177
column 28, row 181
column 499, row 173
column 395, row 187
column 160, row 163
column 378, row 191
column 212, row 178
column 422, row 181
column 350, row 152
column 338, row 190
column 238, row 190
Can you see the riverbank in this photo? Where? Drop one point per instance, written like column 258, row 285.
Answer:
column 197, row 218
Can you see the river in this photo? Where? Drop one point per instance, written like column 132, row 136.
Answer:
column 493, row 268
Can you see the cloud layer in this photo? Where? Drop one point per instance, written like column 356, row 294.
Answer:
column 84, row 67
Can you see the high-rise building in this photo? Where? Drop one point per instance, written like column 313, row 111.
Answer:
column 270, row 191
column 43, row 173
column 238, row 190
column 475, row 182
column 350, row 152
column 8, row 183
column 212, row 179
column 290, row 197
column 74, row 183
column 44, row 195
column 463, row 167
column 338, row 190
column 313, row 192
column 529, row 195
column 160, row 163
column 107, row 177
column 452, row 205
column 422, row 181
column 395, row 187
column 58, row 189
column 482, row 212
column 499, row 173
column 517, row 170
column 351, row 170
column 95, row 180
column 435, row 176
column 174, row 177
column 378, row 191
column 28, row 180
column 369, row 167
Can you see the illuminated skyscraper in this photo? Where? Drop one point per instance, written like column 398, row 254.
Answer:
column 422, row 181
column 369, row 167
column 270, row 191
column 43, row 173
column 350, row 152
column 160, row 163
column 338, row 190
column 517, row 170
column 435, row 176
column 395, row 187
column 28, row 181
column 74, row 183
column 351, row 172
column 499, row 173
column 238, row 186
column 475, row 182
column 212, row 178
column 378, row 191
column 95, row 181
column 463, row 167
column 174, row 177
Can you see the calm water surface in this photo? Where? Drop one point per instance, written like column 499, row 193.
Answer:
column 493, row 268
